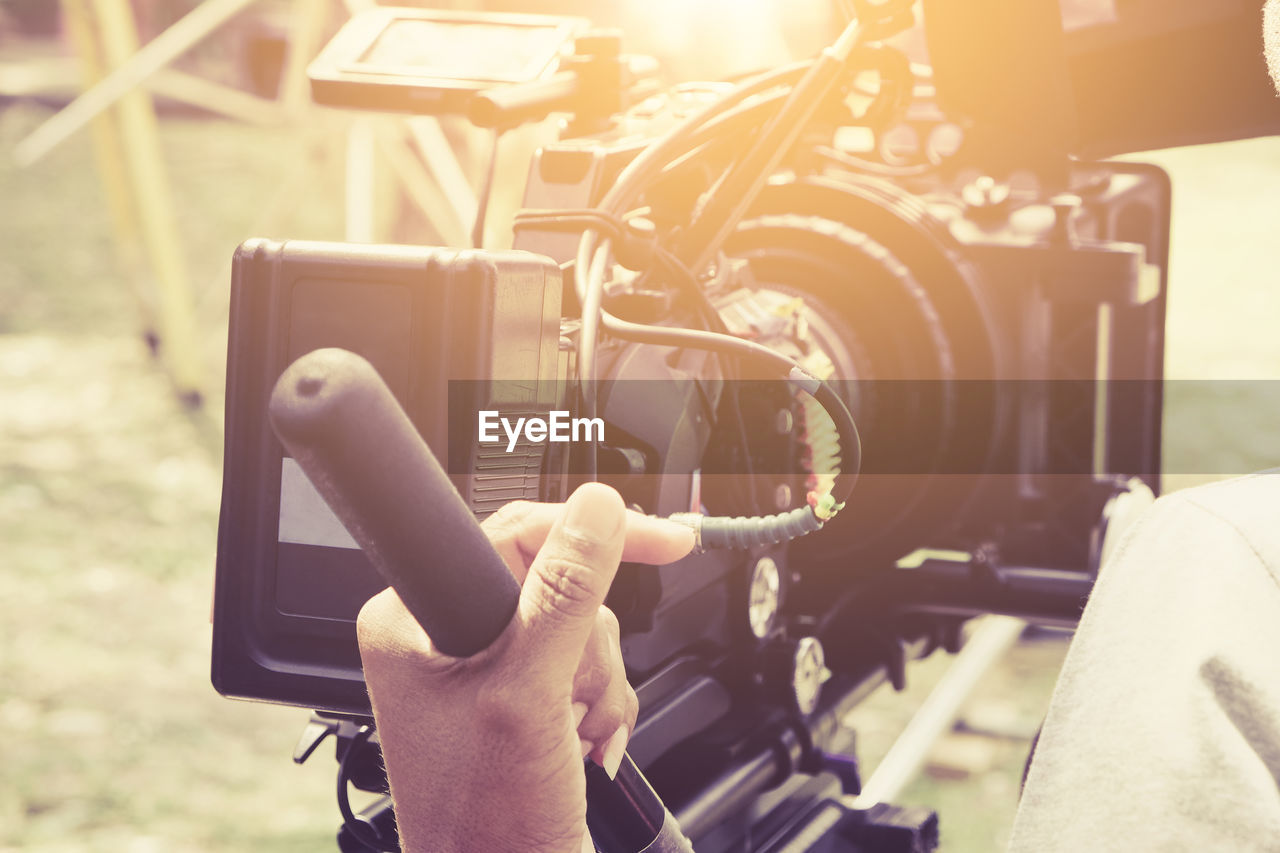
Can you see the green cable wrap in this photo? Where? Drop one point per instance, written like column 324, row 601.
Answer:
column 742, row 532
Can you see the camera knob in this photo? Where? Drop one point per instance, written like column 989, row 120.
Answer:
column 764, row 597
column 985, row 193
column 809, row 672
column 1065, row 206
column 797, row 669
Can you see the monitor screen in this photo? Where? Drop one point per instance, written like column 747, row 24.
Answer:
column 463, row 50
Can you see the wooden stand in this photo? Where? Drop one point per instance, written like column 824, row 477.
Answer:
column 120, row 76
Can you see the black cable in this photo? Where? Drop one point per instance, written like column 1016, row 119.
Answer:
column 847, row 434
column 728, row 201
column 686, row 279
column 846, row 429
column 549, row 216
column 588, row 336
column 750, row 351
column 570, row 220
column 733, row 376
column 676, row 141
column 732, row 367
column 814, row 81
column 362, row 830
column 730, row 128
column 740, row 533
column 814, row 76
column 669, row 263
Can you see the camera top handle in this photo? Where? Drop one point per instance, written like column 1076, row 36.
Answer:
column 340, row 422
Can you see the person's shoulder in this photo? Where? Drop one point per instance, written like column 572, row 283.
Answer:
column 1249, row 506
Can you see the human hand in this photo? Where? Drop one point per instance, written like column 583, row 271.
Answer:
column 485, row 753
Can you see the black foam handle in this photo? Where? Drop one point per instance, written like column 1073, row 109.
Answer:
column 338, row 419
column 517, row 103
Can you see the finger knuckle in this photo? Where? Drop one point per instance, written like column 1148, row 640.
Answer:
column 569, row 587
column 614, row 703
column 592, row 679
column 632, row 708
column 511, row 512
column 585, row 547
column 610, row 622
column 371, row 623
column 508, row 519
column 501, row 708
column 610, row 713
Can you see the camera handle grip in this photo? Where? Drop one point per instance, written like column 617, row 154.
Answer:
column 343, row 426
column 505, row 107
column 340, row 422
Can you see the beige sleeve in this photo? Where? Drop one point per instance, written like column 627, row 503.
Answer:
column 1164, row 729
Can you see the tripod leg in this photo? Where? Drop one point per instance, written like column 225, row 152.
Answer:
column 309, row 19
column 108, row 156
column 143, row 160
column 127, row 74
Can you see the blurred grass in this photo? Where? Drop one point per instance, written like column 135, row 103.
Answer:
column 109, row 490
column 114, row 740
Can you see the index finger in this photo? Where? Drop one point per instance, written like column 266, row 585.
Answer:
column 519, row 529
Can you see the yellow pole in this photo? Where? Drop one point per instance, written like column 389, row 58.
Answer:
column 109, row 158
column 144, row 167
column 309, row 18
column 128, row 75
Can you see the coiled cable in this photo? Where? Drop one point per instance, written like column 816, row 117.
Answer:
column 810, row 83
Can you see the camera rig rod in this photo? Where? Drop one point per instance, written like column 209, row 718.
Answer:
column 738, row 189
column 993, row 638
column 338, row 419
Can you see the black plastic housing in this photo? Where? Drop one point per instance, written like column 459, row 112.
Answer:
column 290, row 580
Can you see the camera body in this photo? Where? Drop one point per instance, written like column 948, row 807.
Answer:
column 996, row 331
column 1001, row 350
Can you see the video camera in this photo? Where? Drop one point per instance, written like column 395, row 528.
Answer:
column 730, row 301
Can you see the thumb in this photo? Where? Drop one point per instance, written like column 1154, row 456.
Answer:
column 569, row 578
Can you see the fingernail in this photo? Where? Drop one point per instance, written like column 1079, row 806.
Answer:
column 587, row 746
column 588, row 513
column 579, row 711
column 614, row 748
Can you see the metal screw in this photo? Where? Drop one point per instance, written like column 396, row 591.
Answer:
column 1064, row 207
column 985, row 192
column 809, row 675
column 784, row 422
column 764, row 597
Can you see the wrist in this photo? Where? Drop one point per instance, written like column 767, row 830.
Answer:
column 455, row 816
column 427, row 837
